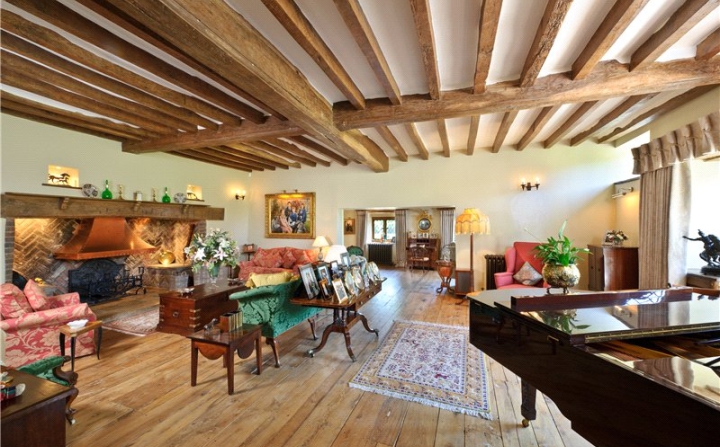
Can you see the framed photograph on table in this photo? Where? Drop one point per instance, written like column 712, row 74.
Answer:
column 345, row 260
column 340, row 292
column 290, row 215
column 307, row 273
column 324, row 272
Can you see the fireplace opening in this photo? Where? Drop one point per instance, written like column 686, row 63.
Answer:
column 99, row 280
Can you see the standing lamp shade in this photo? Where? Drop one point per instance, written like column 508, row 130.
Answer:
column 472, row 222
column 320, row 242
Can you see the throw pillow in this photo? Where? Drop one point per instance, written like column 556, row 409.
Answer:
column 268, row 279
column 527, row 275
column 13, row 302
column 35, row 295
column 289, row 259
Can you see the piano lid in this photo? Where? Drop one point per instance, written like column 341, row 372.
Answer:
column 613, row 316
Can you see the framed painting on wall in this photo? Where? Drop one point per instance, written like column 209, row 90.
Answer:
column 349, row 226
column 290, row 215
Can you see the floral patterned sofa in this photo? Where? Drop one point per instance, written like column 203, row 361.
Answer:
column 32, row 320
column 276, row 260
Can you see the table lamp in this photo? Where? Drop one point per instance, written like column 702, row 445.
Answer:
column 472, row 222
column 320, row 242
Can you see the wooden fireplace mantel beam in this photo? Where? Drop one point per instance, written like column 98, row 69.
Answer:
column 19, row 205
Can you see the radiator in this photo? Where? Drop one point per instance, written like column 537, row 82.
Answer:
column 380, row 253
column 493, row 264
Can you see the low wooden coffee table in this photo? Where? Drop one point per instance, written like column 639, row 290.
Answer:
column 215, row 344
column 66, row 330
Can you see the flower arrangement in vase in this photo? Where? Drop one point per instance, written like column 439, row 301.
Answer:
column 617, row 237
column 559, row 258
column 211, row 251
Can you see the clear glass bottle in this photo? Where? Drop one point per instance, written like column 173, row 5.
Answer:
column 166, row 196
column 107, row 194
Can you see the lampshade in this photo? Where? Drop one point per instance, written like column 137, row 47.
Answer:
column 320, row 241
column 472, row 221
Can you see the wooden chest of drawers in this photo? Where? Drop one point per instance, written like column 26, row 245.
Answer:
column 181, row 314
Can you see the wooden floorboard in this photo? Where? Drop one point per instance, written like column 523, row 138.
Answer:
column 139, row 393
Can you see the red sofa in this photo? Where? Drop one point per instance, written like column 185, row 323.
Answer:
column 275, row 260
column 515, row 258
column 31, row 322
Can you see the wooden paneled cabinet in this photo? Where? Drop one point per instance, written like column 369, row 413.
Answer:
column 431, row 244
column 612, row 268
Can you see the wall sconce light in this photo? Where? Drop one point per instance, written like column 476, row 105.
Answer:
column 527, row 186
column 240, row 195
column 622, row 192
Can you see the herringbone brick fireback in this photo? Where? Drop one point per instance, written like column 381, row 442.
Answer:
column 35, row 240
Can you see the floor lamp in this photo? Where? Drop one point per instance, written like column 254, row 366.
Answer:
column 471, row 222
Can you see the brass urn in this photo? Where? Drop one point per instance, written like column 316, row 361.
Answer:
column 561, row 276
column 166, row 257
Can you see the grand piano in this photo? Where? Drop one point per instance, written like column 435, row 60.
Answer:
column 629, row 368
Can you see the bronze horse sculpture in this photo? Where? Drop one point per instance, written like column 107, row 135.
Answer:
column 711, row 251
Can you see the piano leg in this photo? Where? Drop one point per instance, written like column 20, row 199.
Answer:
column 527, row 409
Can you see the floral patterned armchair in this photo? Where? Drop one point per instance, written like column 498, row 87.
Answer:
column 32, row 320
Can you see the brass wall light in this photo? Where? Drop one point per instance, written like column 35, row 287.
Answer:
column 527, row 186
column 240, row 195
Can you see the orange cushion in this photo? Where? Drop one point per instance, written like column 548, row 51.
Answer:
column 35, row 295
column 13, row 302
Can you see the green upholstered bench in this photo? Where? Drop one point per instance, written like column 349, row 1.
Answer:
column 270, row 306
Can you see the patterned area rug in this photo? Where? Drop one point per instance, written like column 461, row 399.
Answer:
column 138, row 323
column 431, row 364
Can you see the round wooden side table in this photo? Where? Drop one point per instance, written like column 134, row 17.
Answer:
column 445, row 270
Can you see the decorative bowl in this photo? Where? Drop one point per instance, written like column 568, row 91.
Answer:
column 180, row 197
column 77, row 324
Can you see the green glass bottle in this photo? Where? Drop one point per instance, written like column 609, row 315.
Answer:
column 166, row 197
column 107, row 194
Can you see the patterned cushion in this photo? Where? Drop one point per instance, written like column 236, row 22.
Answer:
column 289, row 258
column 13, row 302
column 35, row 295
column 527, row 275
column 268, row 258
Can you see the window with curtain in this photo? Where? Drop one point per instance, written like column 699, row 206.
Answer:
column 383, row 228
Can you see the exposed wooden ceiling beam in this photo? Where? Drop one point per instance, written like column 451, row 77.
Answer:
column 357, row 23
column 211, row 31
column 270, row 149
column 507, row 121
column 489, row 20
column 411, row 129
column 248, row 159
column 64, row 18
column 264, row 155
column 628, row 108
column 119, row 18
column 223, row 153
column 608, row 80
column 56, row 43
column 293, row 149
column 540, row 121
column 650, row 115
column 393, row 142
column 319, row 148
column 443, row 134
column 686, row 16
column 550, row 24
column 472, row 134
column 66, row 120
column 709, row 47
column 565, row 127
column 201, row 156
column 617, row 20
column 226, row 134
column 292, row 18
column 426, row 38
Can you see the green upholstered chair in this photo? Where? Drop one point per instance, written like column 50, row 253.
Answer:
column 50, row 368
column 271, row 307
column 355, row 250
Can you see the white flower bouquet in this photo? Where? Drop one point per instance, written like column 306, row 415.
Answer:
column 211, row 251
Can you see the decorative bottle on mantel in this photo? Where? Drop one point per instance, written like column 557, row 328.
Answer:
column 107, row 194
column 166, row 197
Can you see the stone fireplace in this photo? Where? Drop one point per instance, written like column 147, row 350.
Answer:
column 38, row 226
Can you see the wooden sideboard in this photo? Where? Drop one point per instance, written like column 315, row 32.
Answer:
column 612, row 268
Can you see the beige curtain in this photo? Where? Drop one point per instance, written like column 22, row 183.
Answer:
column 400, row 237
column 679, row 222
column 361, row 227
column 654, row 213
column 447, row 226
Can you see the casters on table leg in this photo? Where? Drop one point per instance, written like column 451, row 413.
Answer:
column 525, row 423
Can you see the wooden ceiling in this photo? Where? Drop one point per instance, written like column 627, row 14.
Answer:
column 278, row 84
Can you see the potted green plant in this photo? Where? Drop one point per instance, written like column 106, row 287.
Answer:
column 559, row 258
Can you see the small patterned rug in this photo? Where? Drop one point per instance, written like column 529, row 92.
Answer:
column 139, row 323
column 431, row 364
